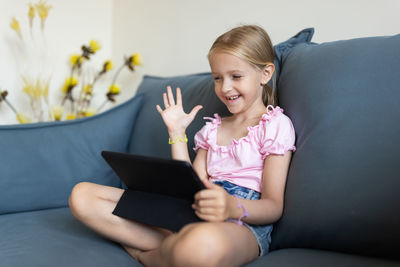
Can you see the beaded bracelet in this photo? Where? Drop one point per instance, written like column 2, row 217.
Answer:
column 184, row 140
column 245, row 212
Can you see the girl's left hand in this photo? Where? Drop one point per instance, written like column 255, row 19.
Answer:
column 213, row 204
column 173, row 115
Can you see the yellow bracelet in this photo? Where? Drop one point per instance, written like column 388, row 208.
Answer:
column 184, row 140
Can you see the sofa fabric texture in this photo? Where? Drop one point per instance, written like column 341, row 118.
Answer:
column 343, row 100
column 40, row 163
column 53, row 237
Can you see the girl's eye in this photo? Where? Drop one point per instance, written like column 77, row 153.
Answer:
column 217, row 78
column 236, row 77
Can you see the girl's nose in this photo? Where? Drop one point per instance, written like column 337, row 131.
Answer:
column 226, row 86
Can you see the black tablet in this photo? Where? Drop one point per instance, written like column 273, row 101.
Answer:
column 155, row 175
column 160, row 191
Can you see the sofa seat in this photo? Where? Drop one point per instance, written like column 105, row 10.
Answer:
column 53, row 237
column 46, row 237
column 300, row 257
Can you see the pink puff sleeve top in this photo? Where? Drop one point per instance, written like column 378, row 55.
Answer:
column 242, row 162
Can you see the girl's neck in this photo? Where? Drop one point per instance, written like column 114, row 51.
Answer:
column 254, row 112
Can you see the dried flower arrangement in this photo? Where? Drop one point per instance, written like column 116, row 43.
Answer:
column 37, row 88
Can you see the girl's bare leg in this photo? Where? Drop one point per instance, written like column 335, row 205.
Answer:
column 93, row 204
column 205, row 244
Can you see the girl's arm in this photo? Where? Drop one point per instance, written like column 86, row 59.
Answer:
column 200, row 164
column 216, row 204
column 269, row 208
column 177, row 121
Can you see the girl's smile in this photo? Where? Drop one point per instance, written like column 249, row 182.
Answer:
column 237, row 83
column 232, row 99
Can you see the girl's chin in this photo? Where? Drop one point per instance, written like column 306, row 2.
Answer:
column 233, row 109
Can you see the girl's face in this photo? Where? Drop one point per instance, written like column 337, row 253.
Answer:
column 237, row 82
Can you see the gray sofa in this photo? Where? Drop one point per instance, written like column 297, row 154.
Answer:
column 341, row 201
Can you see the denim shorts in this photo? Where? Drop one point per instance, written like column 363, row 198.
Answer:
column 261, row 232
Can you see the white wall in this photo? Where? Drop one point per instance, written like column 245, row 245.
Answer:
column 174, row 36
column 70, row 24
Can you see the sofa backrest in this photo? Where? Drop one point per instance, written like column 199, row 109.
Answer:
column 41, row 162
column 342, row 190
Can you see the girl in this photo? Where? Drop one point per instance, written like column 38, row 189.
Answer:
column 243, row 161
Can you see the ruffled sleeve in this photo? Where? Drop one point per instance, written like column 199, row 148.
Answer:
column 202, row 139
column 278, row 134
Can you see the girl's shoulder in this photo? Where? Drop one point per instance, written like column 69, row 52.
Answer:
column 211, row 124
column 213, row 121
column 277, row 134
column 205, row 136
column 274, row 115
column 273, row 123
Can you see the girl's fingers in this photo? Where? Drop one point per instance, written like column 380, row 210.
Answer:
column 159, row 109
column 170, row 96
column 205, row 194
column 178, row 96
column 166, row 103
column 206, row 211
column 194, row 111
column 207, row 217
column 205, row 203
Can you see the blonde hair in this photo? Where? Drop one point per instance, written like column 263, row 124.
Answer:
column 250, row 43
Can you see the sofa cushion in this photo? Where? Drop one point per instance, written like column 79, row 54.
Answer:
column 342, row 190
column 54, row 237
column 281, row 50
column 40, row 163
column 311, row 258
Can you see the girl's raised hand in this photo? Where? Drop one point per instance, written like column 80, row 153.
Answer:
column 173, row 115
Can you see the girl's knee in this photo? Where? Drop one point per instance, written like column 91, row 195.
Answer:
column 78, row 198
column 200, row 245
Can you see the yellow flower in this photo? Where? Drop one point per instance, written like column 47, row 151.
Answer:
column 45, row 88
column 36, row 90
column 133, row 60
column 31, row 14
column 64, row 89
column 94, row 46
column 108, row 65
column 114, row 89
column 43, row 9
column 57, row 112
column 70, row 82
column 76, row 59
column 14, row 24
column 87, row 89
column 22, row 118
column 90, row 112
column 136, row 59
column 71, row 116
column 28, row 88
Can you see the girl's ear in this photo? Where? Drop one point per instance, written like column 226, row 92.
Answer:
column 267, row 73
